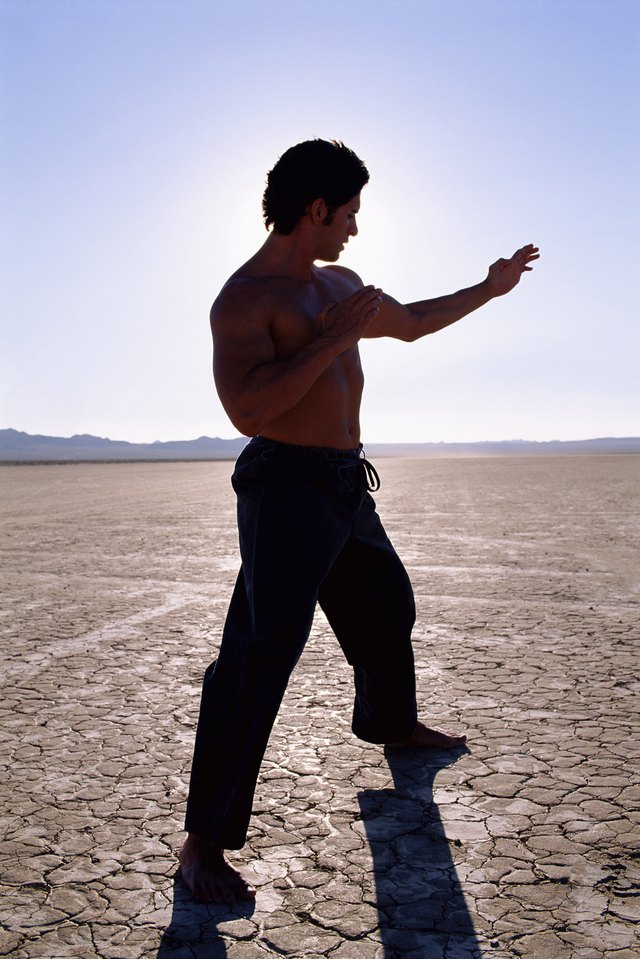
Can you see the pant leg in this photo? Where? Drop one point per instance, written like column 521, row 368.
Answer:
column 291, row 531
column 368, row 600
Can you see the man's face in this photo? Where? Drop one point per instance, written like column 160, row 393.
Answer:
column 341, row 226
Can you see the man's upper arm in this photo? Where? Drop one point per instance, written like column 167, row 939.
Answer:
column 241, row 341
column 393, row 320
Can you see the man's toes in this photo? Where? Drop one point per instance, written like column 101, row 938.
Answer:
column 239, row 887
column 454, row 741
column 246, row 891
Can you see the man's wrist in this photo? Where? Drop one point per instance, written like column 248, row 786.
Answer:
column 487, row 289
column 338, row 342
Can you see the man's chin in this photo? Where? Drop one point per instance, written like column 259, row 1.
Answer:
column 330, row 257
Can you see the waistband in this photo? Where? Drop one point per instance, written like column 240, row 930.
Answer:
column 345, row 459
column 319, row 453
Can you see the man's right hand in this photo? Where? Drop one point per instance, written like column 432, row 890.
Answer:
column 350, row 318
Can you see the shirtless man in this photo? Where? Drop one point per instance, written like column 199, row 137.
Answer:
column 287, row 369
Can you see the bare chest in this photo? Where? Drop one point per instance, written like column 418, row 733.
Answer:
column 295, row 321
column 294, row 326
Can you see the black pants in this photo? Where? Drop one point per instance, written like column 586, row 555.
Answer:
column 309, row 533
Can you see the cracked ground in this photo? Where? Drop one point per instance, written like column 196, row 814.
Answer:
column 116, row 579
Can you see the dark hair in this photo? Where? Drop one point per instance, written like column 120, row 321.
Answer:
column 315, row 169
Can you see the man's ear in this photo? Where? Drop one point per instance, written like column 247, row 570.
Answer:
column 318, row 211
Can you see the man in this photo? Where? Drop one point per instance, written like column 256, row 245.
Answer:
column 287, row 369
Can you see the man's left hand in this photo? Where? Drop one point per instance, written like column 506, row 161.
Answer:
column 505, row 274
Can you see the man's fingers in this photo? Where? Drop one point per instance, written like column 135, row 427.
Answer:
column 366, row 309
column 354, row 312
column 524, row 256
column 364, row 293
column 364, row 296
column 530, row 252
column 324, row 314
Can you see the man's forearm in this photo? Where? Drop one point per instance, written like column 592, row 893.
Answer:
column 411, row 321
column 429, row 316
column 270, row 389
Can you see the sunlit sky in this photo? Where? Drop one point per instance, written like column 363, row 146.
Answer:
column 136, row 136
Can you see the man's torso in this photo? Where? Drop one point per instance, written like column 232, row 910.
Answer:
column 328, row 414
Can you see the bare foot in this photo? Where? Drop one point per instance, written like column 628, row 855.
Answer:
column 209, row 877
column 426, row 738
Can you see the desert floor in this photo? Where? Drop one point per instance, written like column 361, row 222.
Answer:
column 526, row 571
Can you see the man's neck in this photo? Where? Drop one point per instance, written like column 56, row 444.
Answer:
column 285, row 256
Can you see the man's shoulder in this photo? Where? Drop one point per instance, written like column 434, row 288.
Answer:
column 247, row 285
column 340, row 271
column 342, row 275
column 246, row 292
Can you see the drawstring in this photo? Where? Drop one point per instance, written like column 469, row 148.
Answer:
column 346, row 474
column 373, row 480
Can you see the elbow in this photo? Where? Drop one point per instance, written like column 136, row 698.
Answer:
column 413, row 333
column 422, row 328
column 244, row 410
column 248, row 422
column 246, row 425
column 415, row 328
column 244, row 415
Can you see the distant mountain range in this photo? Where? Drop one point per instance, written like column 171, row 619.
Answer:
column 18, row 447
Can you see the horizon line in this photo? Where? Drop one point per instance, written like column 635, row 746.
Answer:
column 240, row 437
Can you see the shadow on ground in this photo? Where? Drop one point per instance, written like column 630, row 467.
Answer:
column 420, row 902
column 195, row 925
column 421, row 907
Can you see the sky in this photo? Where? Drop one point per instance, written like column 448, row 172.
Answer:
column 136, row 136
